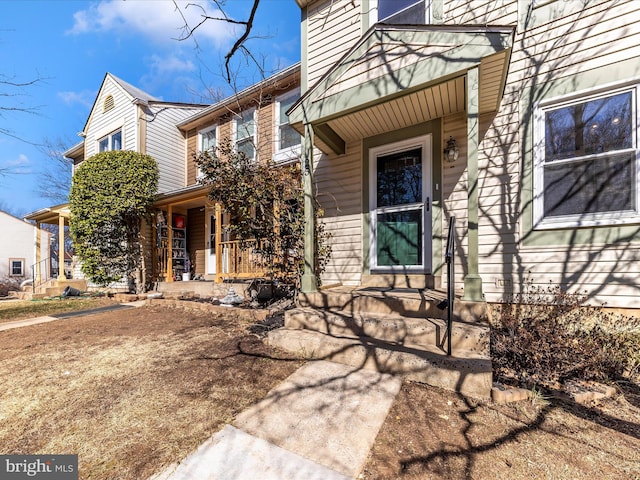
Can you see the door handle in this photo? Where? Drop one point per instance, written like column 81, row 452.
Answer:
column 427, row 202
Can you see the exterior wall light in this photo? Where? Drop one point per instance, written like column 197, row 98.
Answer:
column 451, row 151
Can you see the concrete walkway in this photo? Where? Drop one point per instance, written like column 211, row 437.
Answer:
column 319, row 424
column 60, row 316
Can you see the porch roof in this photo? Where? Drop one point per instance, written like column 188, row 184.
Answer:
column 50, row 214
column 401, row 75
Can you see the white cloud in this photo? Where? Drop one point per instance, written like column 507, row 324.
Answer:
column 20, row 165
column 171, row 63
column 158, row 20
column 84, row 98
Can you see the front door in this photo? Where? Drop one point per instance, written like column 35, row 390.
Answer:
column 400, row 206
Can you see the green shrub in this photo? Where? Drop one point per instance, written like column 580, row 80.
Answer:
column 546, row 336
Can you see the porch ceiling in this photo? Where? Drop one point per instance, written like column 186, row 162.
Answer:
column 401, row 76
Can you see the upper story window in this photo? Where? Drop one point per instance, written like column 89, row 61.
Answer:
column 113, row 141
column 414, row 12
column 586, row 161
column 287, row 139
column 16, row 267
column 208, row 139
column 245, row 127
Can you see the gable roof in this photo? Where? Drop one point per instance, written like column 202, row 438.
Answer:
column 134, row 92
column 397, row 75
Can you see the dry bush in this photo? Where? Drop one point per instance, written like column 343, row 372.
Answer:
column 546, row 336
column 8, row 285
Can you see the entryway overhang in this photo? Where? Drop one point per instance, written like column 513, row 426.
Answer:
column 397, row 76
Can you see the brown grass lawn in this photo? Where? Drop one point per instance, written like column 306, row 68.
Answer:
column 131, row 391
column 20, row 309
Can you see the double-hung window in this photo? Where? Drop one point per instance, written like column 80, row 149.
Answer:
column 288, row 140
column 207, row 142
column 16, row 267
column 414, row 12
column 245, row 126
column 586, row 161
column 113, row 141
column 208, row 139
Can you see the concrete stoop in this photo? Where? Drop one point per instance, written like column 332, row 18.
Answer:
column 401, row 333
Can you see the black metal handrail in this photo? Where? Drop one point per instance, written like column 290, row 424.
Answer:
column 42, row 267
column 451, row 281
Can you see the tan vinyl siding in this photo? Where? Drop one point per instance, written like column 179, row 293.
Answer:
column 597, row 35
column 165, row 143
column 265, row 124
column 480, row 12
column 333, row 27
column 192, row 148
column 339, row 192
column 454, row 190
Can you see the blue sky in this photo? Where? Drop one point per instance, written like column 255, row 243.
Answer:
column 70, row 45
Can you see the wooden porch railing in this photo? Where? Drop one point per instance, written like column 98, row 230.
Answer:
column 240, row 260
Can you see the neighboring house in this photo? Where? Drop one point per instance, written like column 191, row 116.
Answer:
column 18, row 244
column 518, row 117
column 254, row 119
column 124, row 117
column 187, row 234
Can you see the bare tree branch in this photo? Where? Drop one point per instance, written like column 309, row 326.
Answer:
column 239, row 43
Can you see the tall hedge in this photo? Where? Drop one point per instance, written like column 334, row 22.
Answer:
column 111, row 194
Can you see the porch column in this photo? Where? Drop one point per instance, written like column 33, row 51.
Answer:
column 218, row 241
column 472, row 281
column 61, row 275
column 38, row 256
column 169, row 274
column 309, row 282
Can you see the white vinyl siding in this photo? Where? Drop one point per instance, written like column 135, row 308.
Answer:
column 166, row 143
column 121, row 117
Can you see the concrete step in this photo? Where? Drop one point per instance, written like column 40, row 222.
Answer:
column 404, row 302
column 467, row 372
column 395, row 329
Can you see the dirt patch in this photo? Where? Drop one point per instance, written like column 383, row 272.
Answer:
column 434, row 434
column 130, row 391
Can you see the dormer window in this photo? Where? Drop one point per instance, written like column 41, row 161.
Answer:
column 110, row 142
column 108, row 104
column 412, row 12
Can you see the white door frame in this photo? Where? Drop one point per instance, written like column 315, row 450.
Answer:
column 424, row 142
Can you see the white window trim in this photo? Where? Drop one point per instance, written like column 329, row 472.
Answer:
column 199, row 174
column 425, row 143
column 22, row 267
column 294, row 152
column 427, row 11
column 586, row 219
column 109, row 137
column 234, row 128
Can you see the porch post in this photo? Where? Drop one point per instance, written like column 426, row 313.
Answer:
column 218, row 240
column 472, row 281
column 309, row 282
column 38, row 256
column 61, row 275
column 169, row 275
